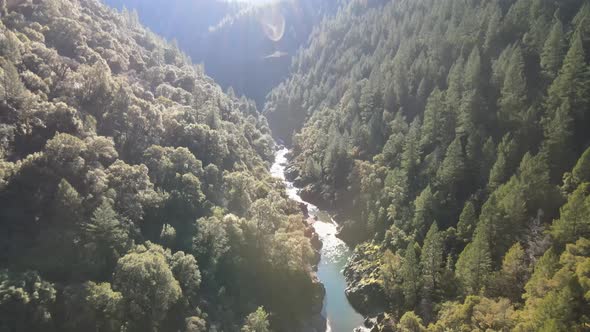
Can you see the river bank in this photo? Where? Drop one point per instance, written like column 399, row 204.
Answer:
column 337, row 311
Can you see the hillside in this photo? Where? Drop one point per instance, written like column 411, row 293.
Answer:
column 134, row 194
column 451, row 137
column 235, row 41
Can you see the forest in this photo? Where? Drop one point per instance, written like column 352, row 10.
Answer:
column 452, row 138
column 134, row 193
column 448, row 138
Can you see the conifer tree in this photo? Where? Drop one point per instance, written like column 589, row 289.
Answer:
column 506, row 162
column 423, row 212
column 571, row 84
column 257, row 321
column 558, row 145
column 553, row 51
column 106, row 238
column 452, row 170
column 467, row 222
column 410, row 272
column 573, row 221
column 581, row 171
column 431, row 260
column 11, row 87
column 512, row 102
column 474, row 263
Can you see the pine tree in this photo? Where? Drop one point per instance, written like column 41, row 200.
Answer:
column 105, row 237
column 573, row 221
column 431, row 260
column 474, row 263
column 571, row 85
column 438, row 126
column 553, row 51
column 558, row 145
column 411, row 277
column 511, row 278
column 580, row 21
column 423, row 212
column 473, row 71
column 581, row 171
column 411, row 155
column 506, row 162
column 467, row 222
column 11, row 86
column 455, row 82
column 67, row 207
column 512, row 103
column 493, row 29
column 452, row 170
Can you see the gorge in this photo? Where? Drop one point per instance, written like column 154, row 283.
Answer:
column 338, row 312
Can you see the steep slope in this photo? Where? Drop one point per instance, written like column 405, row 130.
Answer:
column 448, row 134
column 134, row 194
column 243, row 46
column 251, row 51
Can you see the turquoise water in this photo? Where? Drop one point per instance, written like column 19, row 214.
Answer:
column 339, row 313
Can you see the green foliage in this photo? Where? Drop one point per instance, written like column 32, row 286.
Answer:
column 93, row 306
column 573, row 222
column 475, row 313
column 26, row 301
column 553, row 50
column 467, row 222
column 506, row 162
column 106, row 238
column 431, row 260
column 256, row 321
column 410, row 322
column 111, row 138
column 412, row 279
column 581, row 171
column 485, row 110
column 148, row 286
column 474, row 263
column 424, row 212
column 509, row 282
column 512, row 103
column 556, row 292
column 393, row 272
column 11, row 86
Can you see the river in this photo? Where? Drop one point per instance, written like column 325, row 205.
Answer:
column 340, row 315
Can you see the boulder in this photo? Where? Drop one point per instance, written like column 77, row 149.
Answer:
column 304, row 210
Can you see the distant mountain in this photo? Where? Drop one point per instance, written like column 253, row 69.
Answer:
column 187, row 21
column 247, row 47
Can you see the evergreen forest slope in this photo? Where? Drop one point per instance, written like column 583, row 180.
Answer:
column 453, row 136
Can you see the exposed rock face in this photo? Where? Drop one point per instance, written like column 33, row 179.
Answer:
column 366, row 298
column 350, row 232
column 316, row 322
column 304, row 210
column 362, row 274
column 380, row 323
column 291, row 172
column 311, row 194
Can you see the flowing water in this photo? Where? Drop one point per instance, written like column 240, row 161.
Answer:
column 337, row 310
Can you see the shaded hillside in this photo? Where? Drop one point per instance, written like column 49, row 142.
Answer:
column 233, row 40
